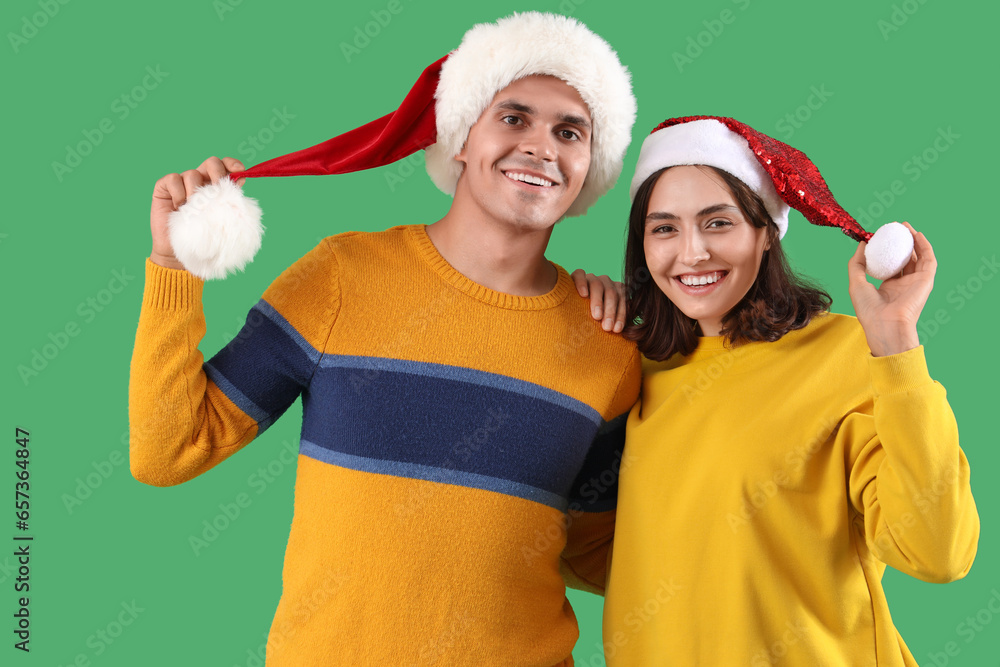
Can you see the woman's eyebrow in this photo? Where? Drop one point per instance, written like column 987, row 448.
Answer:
column 661, row 215
column 708, row 210
column 715, row 208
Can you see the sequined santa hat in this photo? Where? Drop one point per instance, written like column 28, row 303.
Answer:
column 781, row 176
column 218, row 229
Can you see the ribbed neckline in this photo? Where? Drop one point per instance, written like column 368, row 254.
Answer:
column 706, row 343
column 710, row 347
column 429, row 253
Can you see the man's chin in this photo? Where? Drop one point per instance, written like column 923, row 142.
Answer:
column 537, row 217
column 540, row 222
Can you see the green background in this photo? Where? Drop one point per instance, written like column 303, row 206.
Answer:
column 888, row 91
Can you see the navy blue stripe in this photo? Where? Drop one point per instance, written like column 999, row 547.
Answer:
column 240, row 399
column 439, row 420
column 265, row 367
column 445, row 476
column 596, row 487
column 372, row 365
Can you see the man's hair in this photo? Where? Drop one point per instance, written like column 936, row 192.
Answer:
column 779, row 300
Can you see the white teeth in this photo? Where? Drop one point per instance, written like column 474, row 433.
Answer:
column 527, row 178
column 706, row 279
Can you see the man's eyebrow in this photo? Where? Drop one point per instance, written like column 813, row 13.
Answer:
column 708, row 210
column 514, row 105
column 579, row 121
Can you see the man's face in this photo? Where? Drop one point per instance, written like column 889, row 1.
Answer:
column 527, row 156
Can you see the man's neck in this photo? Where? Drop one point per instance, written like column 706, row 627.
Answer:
column 499, row 256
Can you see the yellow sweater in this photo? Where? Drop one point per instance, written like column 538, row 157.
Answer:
column 763, row 490
column 448, row 433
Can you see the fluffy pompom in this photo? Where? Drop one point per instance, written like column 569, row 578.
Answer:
column 216, row 231
column 888, row 251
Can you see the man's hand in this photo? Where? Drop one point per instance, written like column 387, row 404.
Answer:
column 607, row 299
column 171, row 191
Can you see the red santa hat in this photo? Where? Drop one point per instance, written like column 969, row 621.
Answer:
column 780, row 175
column 218, row 229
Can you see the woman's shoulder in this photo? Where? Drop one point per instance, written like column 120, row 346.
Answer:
column 831, row 329
column 833, row 345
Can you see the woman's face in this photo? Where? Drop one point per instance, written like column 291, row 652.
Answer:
column 702, row 252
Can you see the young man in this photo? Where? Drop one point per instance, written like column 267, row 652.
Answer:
column 462, row 412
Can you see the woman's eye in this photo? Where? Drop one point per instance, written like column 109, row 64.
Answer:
column 663, row 229
column 720, row 223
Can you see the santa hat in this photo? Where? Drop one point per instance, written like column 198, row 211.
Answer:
column 218, row 229
column 780, row 175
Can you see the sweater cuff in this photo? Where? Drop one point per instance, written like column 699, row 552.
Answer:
column 901, row 372
column 171, row 289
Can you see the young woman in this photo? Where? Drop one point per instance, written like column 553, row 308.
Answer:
column 781, row 455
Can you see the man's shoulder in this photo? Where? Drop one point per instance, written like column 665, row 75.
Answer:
column 585, row 342
column 393, row 237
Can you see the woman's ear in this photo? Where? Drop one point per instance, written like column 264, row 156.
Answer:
column 771, row 236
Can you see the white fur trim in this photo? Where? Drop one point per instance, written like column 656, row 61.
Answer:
column 711, row 143
column 493, row 55
column 216, row 231
column 888, row 251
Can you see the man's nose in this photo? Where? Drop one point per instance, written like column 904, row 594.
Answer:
column 539, row 143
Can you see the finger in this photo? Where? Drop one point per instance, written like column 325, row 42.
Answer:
column 856, row 267
column 234, row 165
column 596, row 296
column 193, row 179
column 620, row 317
column 580, row 280
column 610, row 303
column 213, row 169
column 911, row 265
column 926, row 260
column 170, row 190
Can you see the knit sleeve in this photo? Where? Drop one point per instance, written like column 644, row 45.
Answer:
column 187, row 415
column 909, row 479
column 593, row 501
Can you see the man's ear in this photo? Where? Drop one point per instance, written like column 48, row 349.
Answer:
column 460, row 155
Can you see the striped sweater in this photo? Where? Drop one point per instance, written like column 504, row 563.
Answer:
column 459, row 451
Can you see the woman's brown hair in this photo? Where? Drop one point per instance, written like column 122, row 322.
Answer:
column 778, row 301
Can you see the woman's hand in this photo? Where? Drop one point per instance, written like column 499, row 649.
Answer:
column 606, row 296
column 889, row 314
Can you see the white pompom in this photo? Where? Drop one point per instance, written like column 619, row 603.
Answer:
column 216, row 231
column 888, row 251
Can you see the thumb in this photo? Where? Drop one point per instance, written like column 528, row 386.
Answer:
column 856, row 268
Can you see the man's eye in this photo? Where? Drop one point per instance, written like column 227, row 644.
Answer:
column 511, row 120
column 570, row 134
